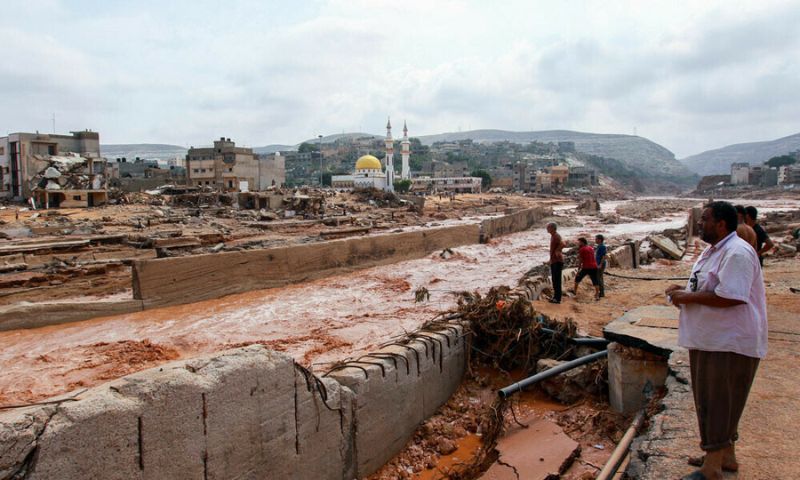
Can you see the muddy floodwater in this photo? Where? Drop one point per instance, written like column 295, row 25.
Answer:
column 317, row 322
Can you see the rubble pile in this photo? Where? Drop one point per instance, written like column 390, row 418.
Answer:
column 65, row 172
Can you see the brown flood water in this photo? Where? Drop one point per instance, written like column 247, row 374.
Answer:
column 317, row 323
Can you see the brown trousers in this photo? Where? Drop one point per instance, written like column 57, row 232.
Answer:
column 720, row 382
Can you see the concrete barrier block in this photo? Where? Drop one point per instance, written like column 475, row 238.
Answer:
column 325, row 430
column 248, row 414
column 171, row 425
column 443, row 374
column 98, row 436
column 20, row 430
column 388, row 410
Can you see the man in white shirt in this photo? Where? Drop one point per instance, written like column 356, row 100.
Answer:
column 723, row 323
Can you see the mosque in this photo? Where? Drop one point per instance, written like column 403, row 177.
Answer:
column 369, row 172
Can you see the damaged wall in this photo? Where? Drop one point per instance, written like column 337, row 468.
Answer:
column 244, row 413
column 516, row 222
column 170, row 281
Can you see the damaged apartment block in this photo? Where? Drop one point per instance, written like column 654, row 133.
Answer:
column 53, row 170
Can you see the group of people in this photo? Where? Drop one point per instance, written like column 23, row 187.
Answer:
column 593, row 263
column 722, row 322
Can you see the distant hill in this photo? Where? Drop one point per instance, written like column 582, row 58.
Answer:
column 273, row 148
column 637, row 152
column 632, row 150
column 718, row 161
column 142, row 150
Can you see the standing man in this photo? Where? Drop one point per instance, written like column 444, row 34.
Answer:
column 744, row 230
column 723, row 323
column 556, row 260
column 763, row 242
column 600, row 257
column 588, row 267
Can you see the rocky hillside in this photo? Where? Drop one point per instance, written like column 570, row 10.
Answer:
column 718, row 162
column 636, row 152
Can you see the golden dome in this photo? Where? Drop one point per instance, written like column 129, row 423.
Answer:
column 368, row 162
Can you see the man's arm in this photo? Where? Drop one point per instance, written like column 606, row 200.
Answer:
column 709, row 299
column 768, row 245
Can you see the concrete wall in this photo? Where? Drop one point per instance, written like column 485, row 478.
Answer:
column 170, row 281
column 248, row 413
column 516, row 222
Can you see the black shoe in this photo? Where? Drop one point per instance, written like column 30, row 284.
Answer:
column 553, row 300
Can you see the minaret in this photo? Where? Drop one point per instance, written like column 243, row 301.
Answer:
column 405, row 150
column 389, row 157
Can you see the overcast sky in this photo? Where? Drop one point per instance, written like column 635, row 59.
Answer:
column 689, row 75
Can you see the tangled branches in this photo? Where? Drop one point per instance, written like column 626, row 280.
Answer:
column 506, row 331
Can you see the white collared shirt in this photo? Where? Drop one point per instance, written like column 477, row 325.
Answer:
column 731, row 270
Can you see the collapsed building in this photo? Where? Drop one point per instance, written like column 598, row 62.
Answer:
column 53, row 170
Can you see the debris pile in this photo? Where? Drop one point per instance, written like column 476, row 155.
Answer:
column 66, row 172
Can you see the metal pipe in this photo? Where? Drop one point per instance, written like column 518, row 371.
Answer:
column 564, row 367
column 619, row 454
column 588, row 341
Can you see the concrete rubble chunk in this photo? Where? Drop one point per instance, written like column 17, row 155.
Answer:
column 20, row 430
column 538, row 452
column 52, row 173
column 667, row 246
column 571, row 386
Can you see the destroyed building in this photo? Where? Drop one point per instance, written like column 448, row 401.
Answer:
column 229, row 168
column 53, row 170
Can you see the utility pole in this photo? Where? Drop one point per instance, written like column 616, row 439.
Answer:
column 54, row 123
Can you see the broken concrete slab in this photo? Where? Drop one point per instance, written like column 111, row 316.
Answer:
column 540, row 451
column 667, row 246
column 631, row 330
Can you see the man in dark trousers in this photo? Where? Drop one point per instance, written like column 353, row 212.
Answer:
column 556, row 260
column 600, row 253
column 723, row 324
column 763, row 242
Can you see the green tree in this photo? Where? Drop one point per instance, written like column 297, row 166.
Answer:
column 402, row 186
column 486, row 179
column 780, row 161
column 306, row 147
column 326, row 179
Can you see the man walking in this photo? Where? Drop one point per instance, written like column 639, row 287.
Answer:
column 763, row 242
column 556, row 260
column 723, row 323
column 600, row 257
column 588, row 267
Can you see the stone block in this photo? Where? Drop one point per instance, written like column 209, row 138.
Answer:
column 630, row 370
column 325, row 430
column 248, row 413
column 20, row 430
column 98, row 436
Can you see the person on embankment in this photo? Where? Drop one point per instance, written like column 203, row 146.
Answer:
column 744, row 230
column 763, row 242
column 723, row 324
column 588, row 267
column 600, row 254
column 556, row 260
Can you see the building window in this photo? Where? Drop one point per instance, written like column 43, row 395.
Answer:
column 76, row 197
